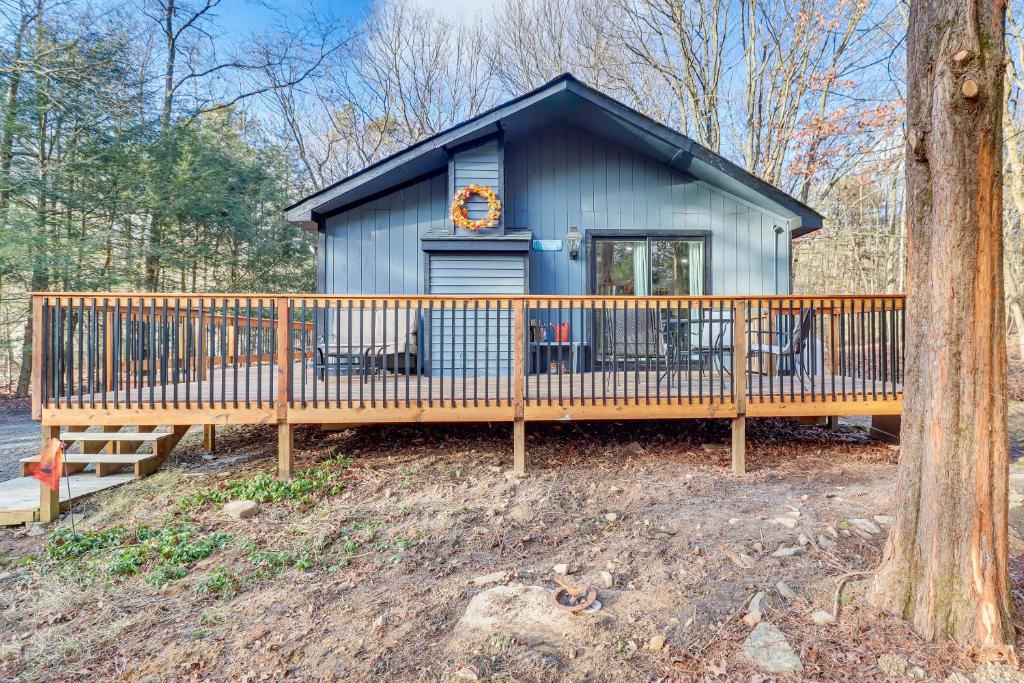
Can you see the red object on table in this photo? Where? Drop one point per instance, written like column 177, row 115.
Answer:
column 560, row 333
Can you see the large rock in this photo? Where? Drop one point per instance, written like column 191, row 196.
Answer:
column 242, row 509
column 524, row 612
column 767, row 648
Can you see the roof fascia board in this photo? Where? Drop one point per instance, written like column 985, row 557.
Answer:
column 302, row 210
column 689, row 146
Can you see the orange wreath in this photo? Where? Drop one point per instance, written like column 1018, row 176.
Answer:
column 460, row 214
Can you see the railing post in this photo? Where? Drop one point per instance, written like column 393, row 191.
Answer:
column 518, row 378
column 285, row 438
column 37, row 357
column 739, row 386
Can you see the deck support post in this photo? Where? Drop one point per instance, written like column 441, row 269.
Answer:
column 285, row 435
column 739, row 444
column 285, row 446
column 739, row 384
column 886, row 428
column 519, row 446
column 49, row 500
column 209, row 438
column 518, row 381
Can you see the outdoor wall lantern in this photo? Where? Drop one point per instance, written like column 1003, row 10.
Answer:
column 573, row 240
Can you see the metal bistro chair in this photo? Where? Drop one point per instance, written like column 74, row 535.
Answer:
column 793, row 348
column 700, row 341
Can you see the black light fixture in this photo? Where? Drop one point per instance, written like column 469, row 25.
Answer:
column 573, row 240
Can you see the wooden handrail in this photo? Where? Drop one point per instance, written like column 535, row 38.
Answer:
column 367, row 298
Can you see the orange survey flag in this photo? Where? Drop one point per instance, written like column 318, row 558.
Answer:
column 49, row 467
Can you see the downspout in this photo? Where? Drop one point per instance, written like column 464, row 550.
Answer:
column 775, row 262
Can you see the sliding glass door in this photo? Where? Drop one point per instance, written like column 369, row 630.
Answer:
column 642, row 266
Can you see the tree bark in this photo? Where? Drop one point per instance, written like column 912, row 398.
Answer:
column 945, row 563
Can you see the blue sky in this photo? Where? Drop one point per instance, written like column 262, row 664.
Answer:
column 246, row 16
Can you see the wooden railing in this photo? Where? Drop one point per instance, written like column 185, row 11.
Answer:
column 176, row 358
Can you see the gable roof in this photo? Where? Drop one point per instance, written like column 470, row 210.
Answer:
column 567, row 99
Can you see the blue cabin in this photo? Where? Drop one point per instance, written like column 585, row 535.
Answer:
column 595, row 199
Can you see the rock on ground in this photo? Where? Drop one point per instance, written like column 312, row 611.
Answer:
column 524, row 612
column 495, row 577
column 242, row 509
column 821, row 617
column 785, row 591
column 767, row 648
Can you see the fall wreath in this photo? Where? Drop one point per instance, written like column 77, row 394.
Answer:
column 460, row 215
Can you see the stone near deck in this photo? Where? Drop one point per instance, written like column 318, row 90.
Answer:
column 242, row 509
column 524, row 612
column 865, row 525
column 788, row 522
column 767, row 648
column 487, row 579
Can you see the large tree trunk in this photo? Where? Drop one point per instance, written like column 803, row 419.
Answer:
column 945, row 562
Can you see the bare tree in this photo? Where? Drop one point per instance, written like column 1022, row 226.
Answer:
column 684, row 43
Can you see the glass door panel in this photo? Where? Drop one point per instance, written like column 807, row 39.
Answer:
column 677, row 267
column 621, row 267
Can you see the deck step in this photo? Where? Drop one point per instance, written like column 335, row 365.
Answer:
column 114, row 436
column 105, row 463
column 90, row 458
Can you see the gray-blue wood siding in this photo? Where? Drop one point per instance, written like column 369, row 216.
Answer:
column 556, row 177
column 478, row 165
column 561, row 176
column 374, row 248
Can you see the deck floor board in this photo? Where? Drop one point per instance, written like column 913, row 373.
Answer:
column 585, row 388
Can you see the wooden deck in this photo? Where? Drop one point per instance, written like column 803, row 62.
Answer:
column 395, row 397
column 177, row 359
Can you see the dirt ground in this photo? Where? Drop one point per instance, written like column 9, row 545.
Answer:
column 367, row 574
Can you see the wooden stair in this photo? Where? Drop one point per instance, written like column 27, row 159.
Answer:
column 108, row 450
column 117, row 450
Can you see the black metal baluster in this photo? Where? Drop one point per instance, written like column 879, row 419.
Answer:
column 465, row 344
column 430, row 353
column 362, row 367
column 248, row 352
column 573, row 355
column 316, row 340
column 271, row 350
column 863, row 351
column 810, row 350
column 400, row 339
column 176, row 345
column 422, row 326
column 441, row 359
column 47, row 351
column 383, row 353
column 408, row 369
column 92, row 354
column 260, row 332
column 337, row 354
column 476, row 354
column 302, row 351
column 163, row 351
column 487, row 356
